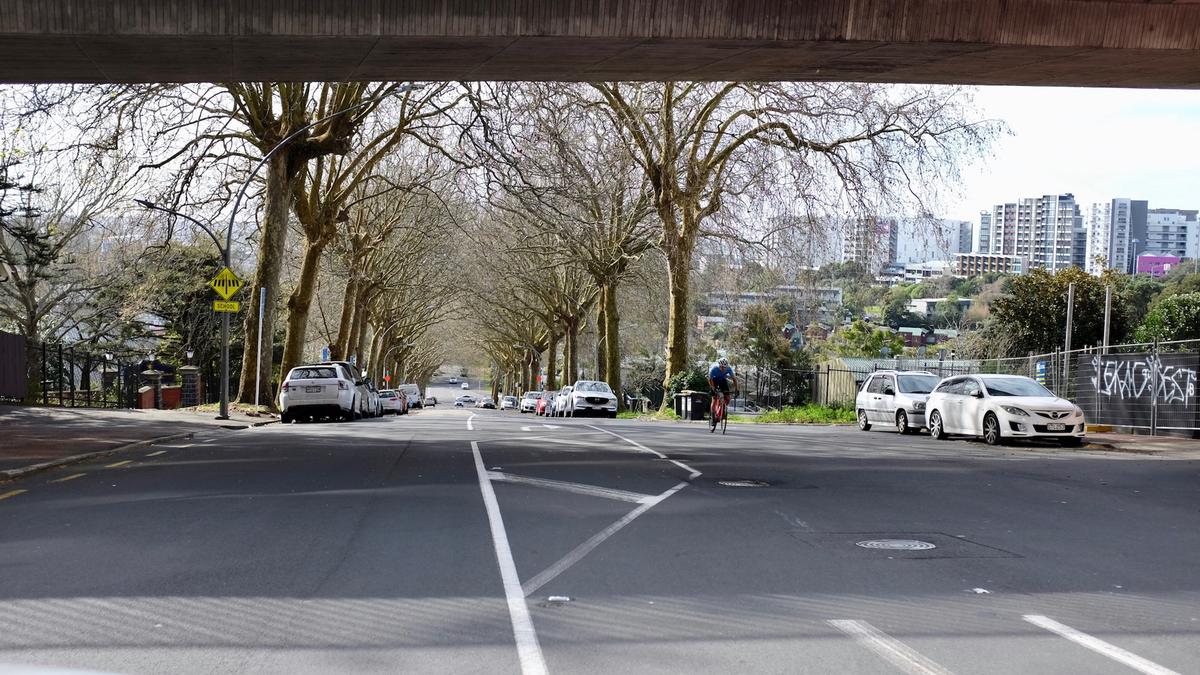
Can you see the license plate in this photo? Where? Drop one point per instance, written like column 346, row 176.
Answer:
column 1056, row 427
column 317, row 390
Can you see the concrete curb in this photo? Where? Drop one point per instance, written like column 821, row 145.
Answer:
column 1113, row 447
column 12, row 474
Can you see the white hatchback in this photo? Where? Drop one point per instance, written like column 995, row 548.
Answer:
column 315, row 392
column 1002, row 407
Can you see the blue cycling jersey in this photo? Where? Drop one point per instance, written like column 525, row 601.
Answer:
column 719, row 376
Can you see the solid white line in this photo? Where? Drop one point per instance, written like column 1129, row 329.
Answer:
column 888, row 648
column 1099, row 646
column 693, row 474
column 560, row 441
column 529, row 652
column 578, row 488
column 547, row 575
column 470, row 427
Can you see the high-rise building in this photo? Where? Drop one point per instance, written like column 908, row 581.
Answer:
column 924, row 241
column 1114, row 229
column 1047, row 231
column 982, row 240
column 1169, row 232
column 871, row 242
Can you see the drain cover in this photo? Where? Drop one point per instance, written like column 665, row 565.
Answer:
column 743, row 482
column 896, row 544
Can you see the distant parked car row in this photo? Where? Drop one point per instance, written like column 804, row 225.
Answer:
column 997, row 408
column 585, row 397
column 337, row 390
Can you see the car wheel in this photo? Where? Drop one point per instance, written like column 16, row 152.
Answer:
column 348, row 416
column 863, row 423
column 902, row 423
column 285, row 418
column 991, row 430
column 936, row 431
column 1070, row 442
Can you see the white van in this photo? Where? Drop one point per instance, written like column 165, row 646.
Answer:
column 413, row 392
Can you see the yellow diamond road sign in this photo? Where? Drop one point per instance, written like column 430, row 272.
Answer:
column 226, row 306
column 226, row 283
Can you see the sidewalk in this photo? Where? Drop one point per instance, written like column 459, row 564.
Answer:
column 33, row 435
column 1146, row 445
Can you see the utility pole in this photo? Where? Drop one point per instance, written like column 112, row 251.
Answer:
column 1107, row 316
column 1067, row 345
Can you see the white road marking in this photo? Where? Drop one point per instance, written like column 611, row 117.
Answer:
column 551, row 426
column 547, row 575
column 1099, row 646
column 156, row 454
column 694, row 474
column 470, row 427
column 526, row 428
column 888, row 648
column 578, row 488
column 560, row 441
column 529, row 652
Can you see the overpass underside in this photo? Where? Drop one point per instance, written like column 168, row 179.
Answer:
column 1132, row 43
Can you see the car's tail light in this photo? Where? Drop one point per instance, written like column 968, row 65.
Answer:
column 342, row 386
column 285, row 386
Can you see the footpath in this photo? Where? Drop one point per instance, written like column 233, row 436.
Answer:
column 1146, row 445
column 34, row 438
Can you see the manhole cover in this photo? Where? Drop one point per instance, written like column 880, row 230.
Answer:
column 743, row 482
column 896, row 544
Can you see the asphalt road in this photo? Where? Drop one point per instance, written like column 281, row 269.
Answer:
column 445, row 541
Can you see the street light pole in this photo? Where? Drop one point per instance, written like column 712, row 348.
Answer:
column 226, row 249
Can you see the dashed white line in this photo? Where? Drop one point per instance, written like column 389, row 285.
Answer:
column 470, row 426
column 693, row 474
column 547, row 575
column 888, row 648
column 1099, row 646
column 529, row 652
column 577, row 488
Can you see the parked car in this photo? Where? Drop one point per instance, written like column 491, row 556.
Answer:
column 895, row 398
column 413, row 392
column 362, row 396
column 392, row 401
column 466, row 385
column 529, row 401
column 1002, row 407
column 430, row 401
column 316, row 392
column 591, row 397
column 461, row 401
column 486, row 402
column 545, row 404
column 561, row 400
column 508, row 403
column 374, row 407
column 467, row 398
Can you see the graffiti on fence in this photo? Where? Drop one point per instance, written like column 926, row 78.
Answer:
column 1143, row 378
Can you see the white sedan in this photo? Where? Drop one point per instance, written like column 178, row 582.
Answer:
column 1002, row 407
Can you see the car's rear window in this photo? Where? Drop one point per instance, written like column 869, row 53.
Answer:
column 312, row 374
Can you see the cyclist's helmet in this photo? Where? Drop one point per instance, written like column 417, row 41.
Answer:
column 722, row 361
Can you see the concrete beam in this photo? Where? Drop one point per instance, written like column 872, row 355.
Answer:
column 1047, row 42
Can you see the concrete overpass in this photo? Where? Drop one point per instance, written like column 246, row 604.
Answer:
column 1143, row 43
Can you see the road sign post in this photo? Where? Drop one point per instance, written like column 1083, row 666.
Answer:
column 226, row 284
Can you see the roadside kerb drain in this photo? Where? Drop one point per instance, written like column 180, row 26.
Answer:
column 12, row 474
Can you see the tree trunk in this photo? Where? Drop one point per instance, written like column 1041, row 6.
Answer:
column 299, row 304
column 552, row 363
column 679, row 269
column 374, row 355
column 354, row 345
column 601, row 335
column 571, row 357
column 364, row 338
column 270, row 261
column 612, row 333
column 338, row 350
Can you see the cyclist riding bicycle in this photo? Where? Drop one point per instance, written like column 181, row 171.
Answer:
column 721, row 380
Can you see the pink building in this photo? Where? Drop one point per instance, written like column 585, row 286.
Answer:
column 1156, row 265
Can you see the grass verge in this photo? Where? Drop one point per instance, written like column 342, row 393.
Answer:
column 660, row 415
column 806, row 414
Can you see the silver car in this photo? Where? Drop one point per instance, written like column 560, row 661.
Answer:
column 895, row 397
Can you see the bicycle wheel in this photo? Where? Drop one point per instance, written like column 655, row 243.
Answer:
column 724, row 419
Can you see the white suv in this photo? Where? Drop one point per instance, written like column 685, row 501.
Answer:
column 591, row 397
column 314, row 392
column 895, row 398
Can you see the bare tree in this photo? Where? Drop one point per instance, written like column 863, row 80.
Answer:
column 839, row 147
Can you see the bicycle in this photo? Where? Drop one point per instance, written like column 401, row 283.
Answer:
column 719, row 414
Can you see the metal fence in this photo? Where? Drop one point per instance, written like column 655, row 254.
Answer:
column 74, row 377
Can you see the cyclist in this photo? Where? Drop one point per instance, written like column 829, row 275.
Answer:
column 721, row 380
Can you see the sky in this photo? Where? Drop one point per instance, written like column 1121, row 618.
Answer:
column 1095, row 143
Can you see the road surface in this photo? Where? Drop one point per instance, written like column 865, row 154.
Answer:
column 470, row 541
